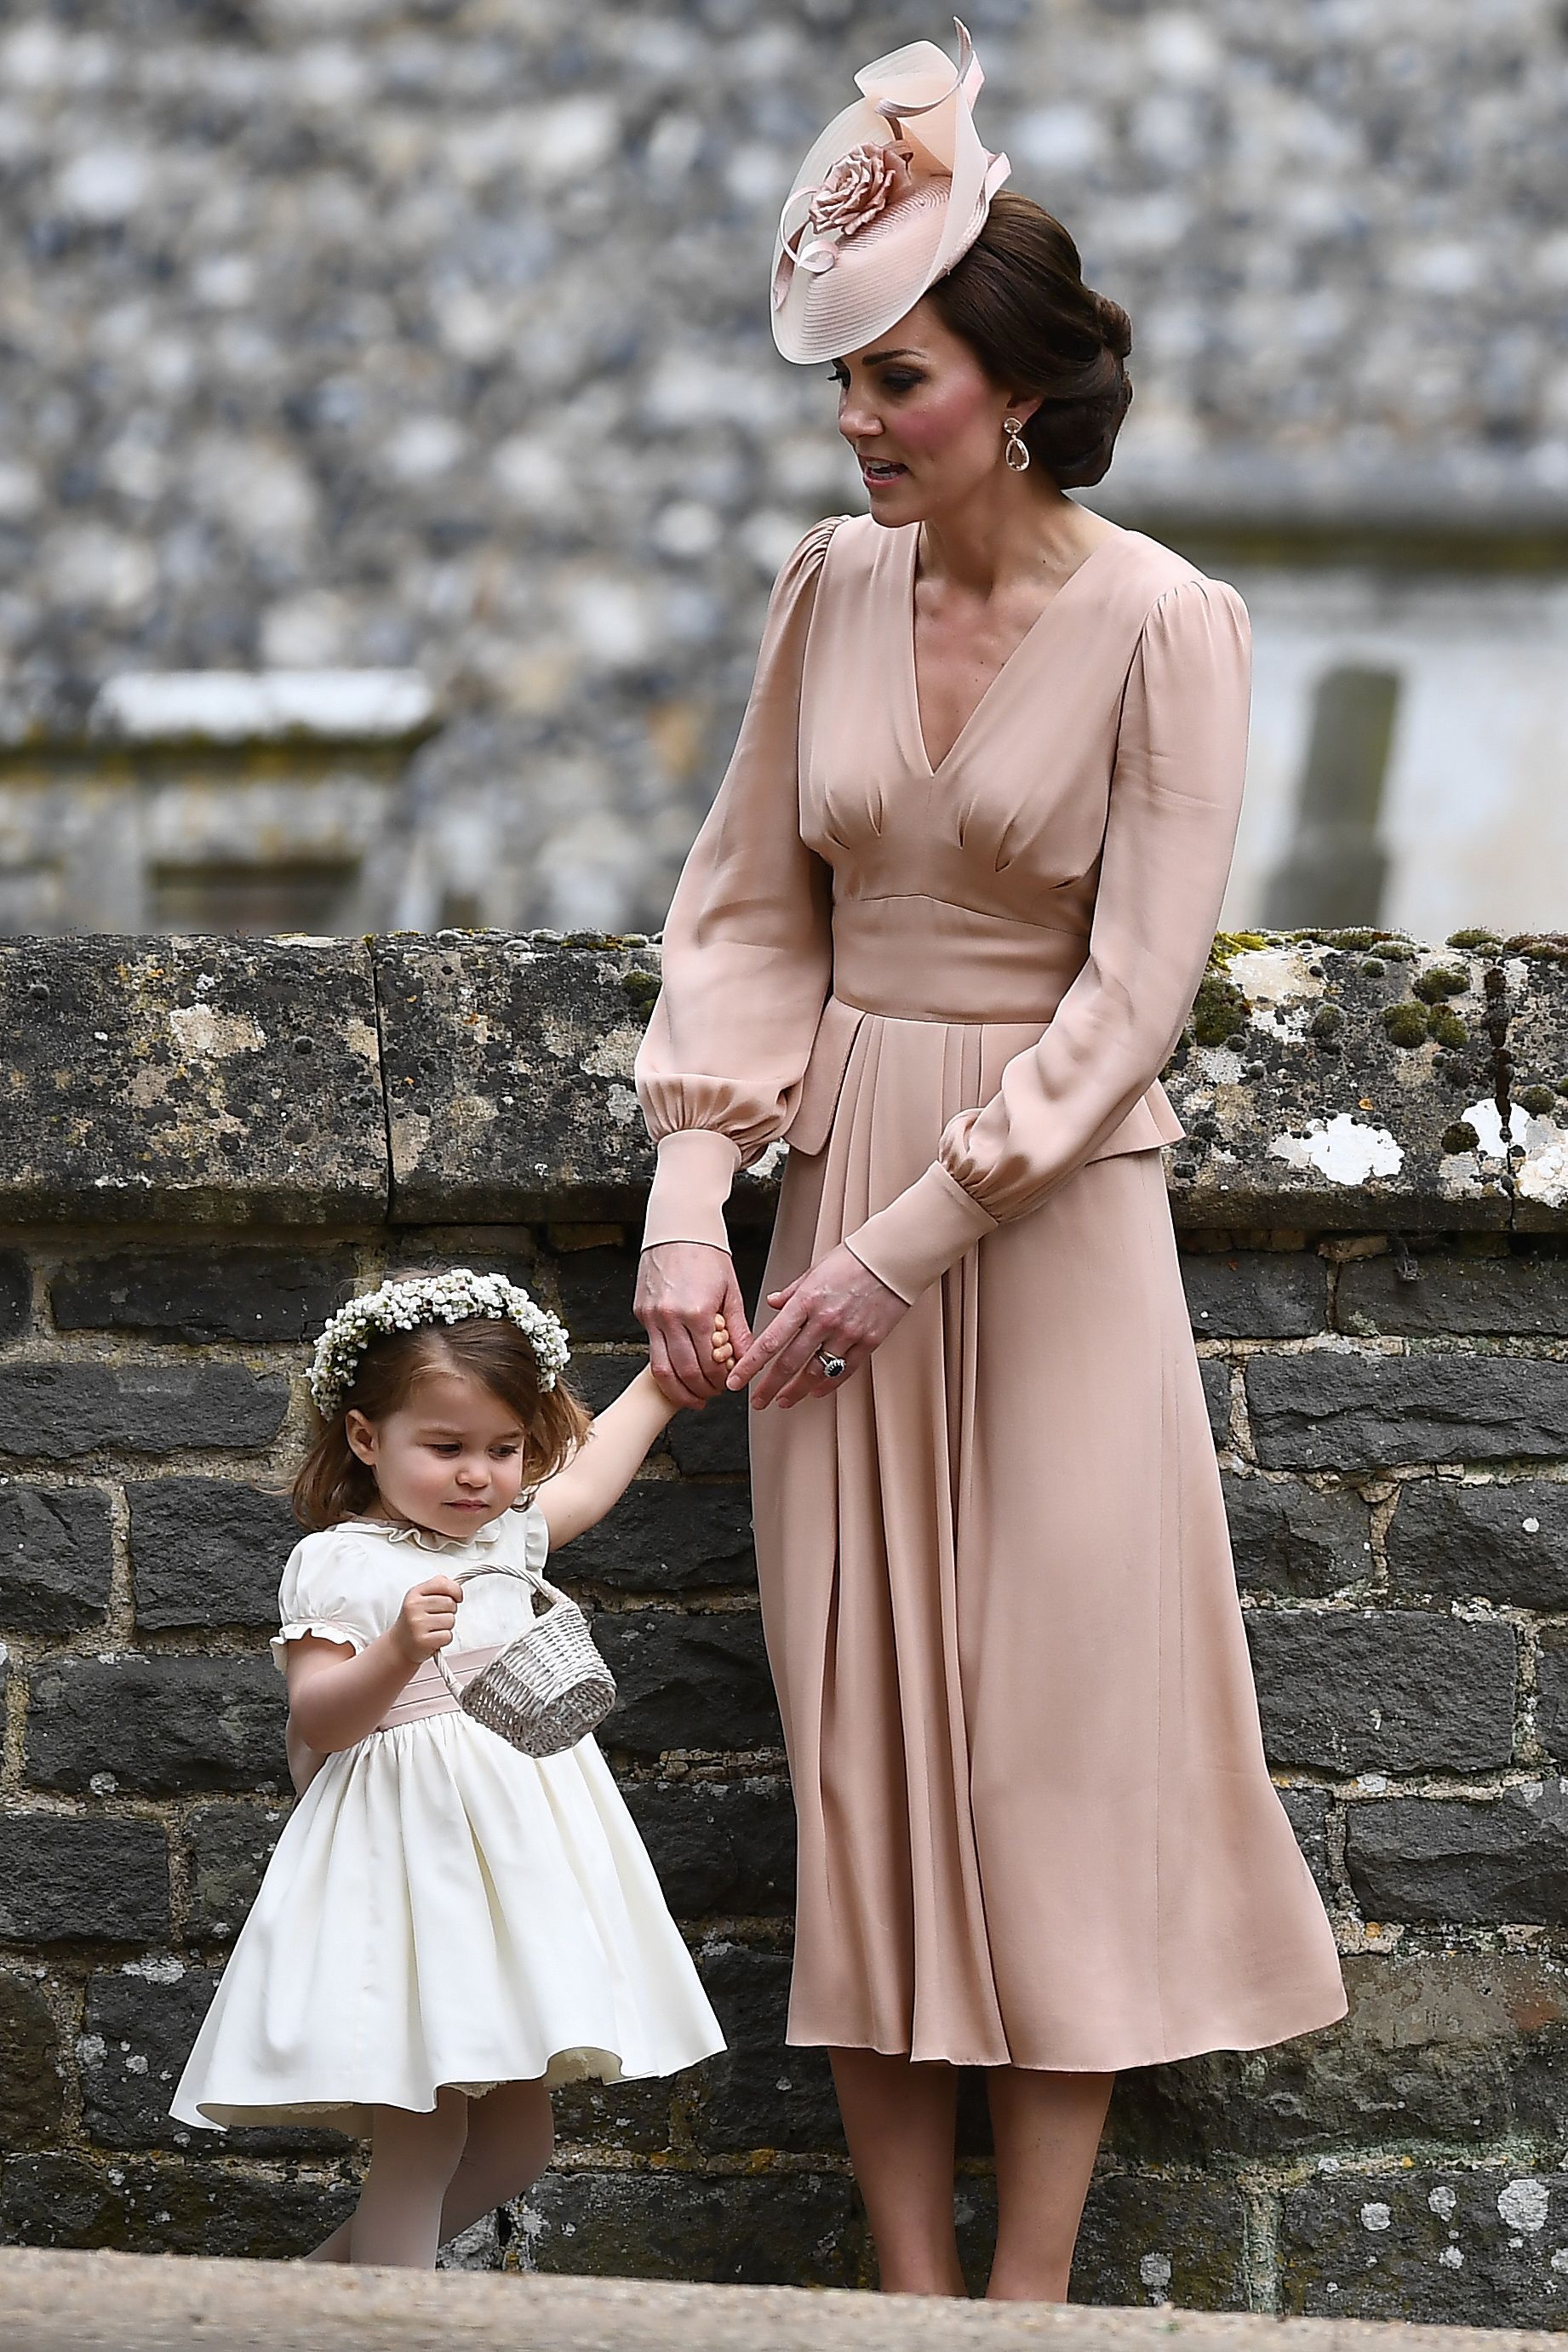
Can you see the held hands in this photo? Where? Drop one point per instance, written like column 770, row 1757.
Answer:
column 685, row 1290
column 839, row 1307
column 427, row 1618
column 688, row 1302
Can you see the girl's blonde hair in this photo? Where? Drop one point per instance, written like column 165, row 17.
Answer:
column 334, row 1483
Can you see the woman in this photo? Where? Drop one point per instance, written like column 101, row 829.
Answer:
column 939, row 932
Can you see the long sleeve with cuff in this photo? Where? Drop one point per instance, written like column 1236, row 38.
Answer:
column 1175, row 805
column 747, row 949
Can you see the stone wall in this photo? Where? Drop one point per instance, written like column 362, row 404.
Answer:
column 201, row 1143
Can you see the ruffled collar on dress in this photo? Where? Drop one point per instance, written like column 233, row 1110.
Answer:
column 427, row 1538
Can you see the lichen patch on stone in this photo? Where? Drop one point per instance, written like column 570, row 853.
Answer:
column 1279, row 991
column 614, row 1054
column 202, row 1029
column 1345, row 1149
column 1542, row 1174
column 1524, row 2205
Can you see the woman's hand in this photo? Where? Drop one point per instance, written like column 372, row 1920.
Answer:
column 684, row 1289
column 427, row 1618
column 839, row 1306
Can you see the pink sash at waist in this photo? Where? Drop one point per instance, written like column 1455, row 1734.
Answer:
column 425, row 1693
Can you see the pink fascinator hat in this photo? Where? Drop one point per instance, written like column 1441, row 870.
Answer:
column 894, row 192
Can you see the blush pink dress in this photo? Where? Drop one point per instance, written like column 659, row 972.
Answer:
column 1037, row 1827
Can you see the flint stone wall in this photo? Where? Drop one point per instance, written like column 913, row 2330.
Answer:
column 203, row 1142
column 433, row 333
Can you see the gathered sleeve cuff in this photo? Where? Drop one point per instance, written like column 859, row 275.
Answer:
column 918, row 1236
column 325, row 1628
column 696, row 1168
column 748, row 948
column 1174, row 807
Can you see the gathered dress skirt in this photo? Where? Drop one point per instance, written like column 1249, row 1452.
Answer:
column 1036, row 1826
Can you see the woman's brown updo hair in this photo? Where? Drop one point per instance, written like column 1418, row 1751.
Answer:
column 1018, row 300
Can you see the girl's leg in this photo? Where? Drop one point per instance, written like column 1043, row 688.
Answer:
column 412, row 2161
column 900, row 2120
column 511, row 2132
column 1046, row 2128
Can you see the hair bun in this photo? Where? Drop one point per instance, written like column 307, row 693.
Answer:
column 1018, row 300
column 1115, row 326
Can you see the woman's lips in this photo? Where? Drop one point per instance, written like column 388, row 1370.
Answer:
column 875, row 473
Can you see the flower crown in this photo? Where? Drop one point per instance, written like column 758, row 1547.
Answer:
column 404, row 1306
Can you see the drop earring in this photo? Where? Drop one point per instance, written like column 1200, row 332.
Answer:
column 1016, row 453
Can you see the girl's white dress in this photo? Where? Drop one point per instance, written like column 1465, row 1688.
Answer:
column 440, row 1909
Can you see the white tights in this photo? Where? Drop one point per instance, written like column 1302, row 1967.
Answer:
column 433, row 2176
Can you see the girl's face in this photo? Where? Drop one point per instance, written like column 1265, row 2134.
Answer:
column 922, row 418
column 449, row 1460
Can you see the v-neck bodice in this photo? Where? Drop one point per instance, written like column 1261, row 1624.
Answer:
column 1008, row 825
column 1014, row 662
column 1045, row 898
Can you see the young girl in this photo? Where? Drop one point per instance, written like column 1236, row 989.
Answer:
column 447, row 1926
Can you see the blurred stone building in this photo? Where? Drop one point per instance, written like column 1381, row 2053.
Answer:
column 405, row 364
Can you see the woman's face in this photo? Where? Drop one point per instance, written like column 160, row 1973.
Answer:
column 922, row 418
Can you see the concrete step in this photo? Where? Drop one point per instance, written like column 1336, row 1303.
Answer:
column 129, row 2303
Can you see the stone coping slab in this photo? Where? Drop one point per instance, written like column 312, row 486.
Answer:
column 509, row 1074
column 216, row 1080
column 241, row 707
column 129, row 2303
column 1353, row 1080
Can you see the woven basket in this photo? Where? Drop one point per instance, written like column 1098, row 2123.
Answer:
column 549, row 1687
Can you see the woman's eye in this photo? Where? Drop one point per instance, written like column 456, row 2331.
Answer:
column 838, row 376
column 901, row 381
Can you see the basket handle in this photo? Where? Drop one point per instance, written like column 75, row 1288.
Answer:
column 528, row 1576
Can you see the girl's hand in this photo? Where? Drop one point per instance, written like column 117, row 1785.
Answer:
column 427, row 1618
column 683, row 1289
column 839, row 1306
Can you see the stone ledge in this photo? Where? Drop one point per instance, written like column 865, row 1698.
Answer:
column 1352, row 1081
column 127, row 2303
column 208, row 1081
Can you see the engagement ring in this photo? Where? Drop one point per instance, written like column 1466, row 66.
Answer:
column 833, row 1365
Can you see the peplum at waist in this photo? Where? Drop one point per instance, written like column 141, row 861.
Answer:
column 916, row 958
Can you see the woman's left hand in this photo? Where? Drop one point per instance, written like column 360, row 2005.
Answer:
column 839, row 1306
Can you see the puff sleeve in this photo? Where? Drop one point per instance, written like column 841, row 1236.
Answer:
column 1175, row 805
column 329, row 1590
column 747, row 947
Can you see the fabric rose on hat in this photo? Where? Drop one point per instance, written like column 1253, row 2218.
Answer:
column 858, row 187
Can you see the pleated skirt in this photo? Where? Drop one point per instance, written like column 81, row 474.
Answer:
column 1035, row 1823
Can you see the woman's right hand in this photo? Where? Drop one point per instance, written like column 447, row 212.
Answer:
column 426, row 1619
column 682, row 1286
